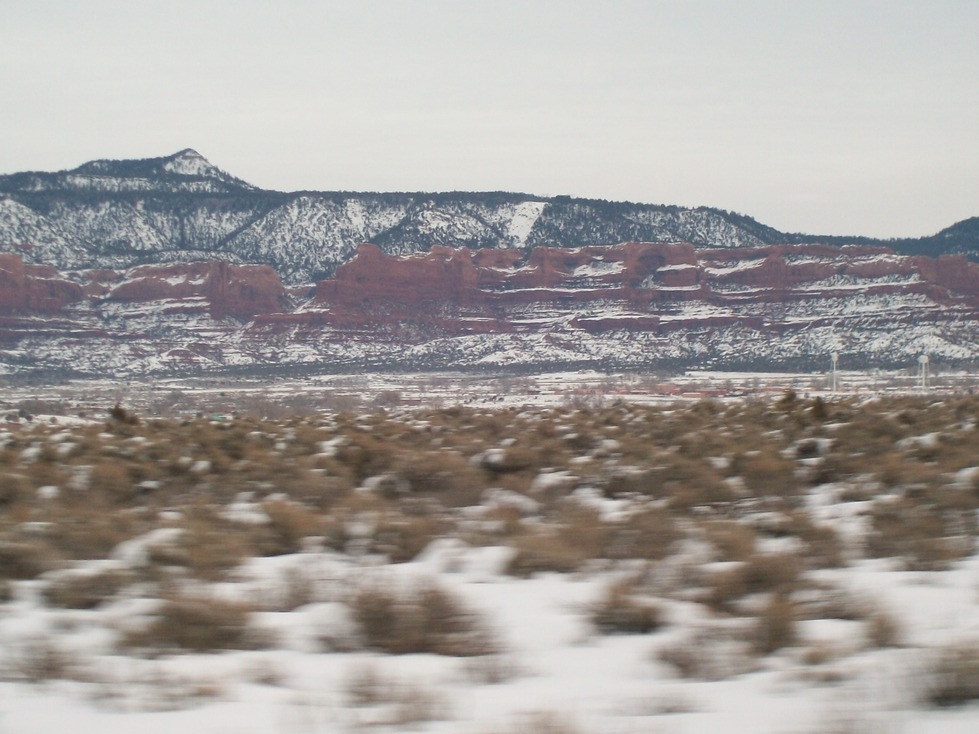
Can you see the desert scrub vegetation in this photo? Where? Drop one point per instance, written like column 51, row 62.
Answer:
column 953, row 677
column 424, row 619
column 623, row 610
column 741, row 504
column 196, row 624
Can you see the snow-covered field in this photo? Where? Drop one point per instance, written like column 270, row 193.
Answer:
column 767, row 564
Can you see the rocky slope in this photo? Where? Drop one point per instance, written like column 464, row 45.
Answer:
column 117, row 214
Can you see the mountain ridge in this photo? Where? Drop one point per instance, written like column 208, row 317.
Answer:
column 122, row 213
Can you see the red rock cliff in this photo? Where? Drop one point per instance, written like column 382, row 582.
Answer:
column 33, row 288
column 241, row 291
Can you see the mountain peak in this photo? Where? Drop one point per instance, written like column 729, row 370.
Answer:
column 188, row 162
column 185, row 170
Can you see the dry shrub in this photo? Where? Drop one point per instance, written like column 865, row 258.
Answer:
column 85, row 590
column 762, row 573
column 709, row 654
column 394, row 702
column 36, row 659
column 577, row 534
column 826, row 601
column 650, row 535
column 823, row 545
column 453, row 480
column 198, row 624
column 112, row 478
column 208, row 548
column 14, row 488
column 402, row 537
column 775, row 627
column 122, row 416
column 365, row 455
column 626, row 483
column 511, row 459
column 428, row 619
column 734, row 541
column 883, row 629
column 25, row 558
column 90, row 531
column 692, row 482
column 289, row 523
column 544, row 550
column 927, row 537
column 620, row 611
column 766, row 473
column 954, row 677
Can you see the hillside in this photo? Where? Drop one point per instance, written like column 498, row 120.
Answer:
column 180, row 207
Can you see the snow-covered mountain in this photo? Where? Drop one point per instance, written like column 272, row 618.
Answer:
column 181, row 207
column 170, row 265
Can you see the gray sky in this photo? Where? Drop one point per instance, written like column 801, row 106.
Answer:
column 822, row 116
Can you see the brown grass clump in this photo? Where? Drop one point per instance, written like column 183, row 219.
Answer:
column 14, row 488
column 25, row 558
column 87, row 531
column 544, row 550
column 289, row 523
column 926, row 536
column 402, row 537
column 621, row 611
column 395, row 702
column 954, row 677
column 197, row 624
column 762, row 573
column 85, row 591
column 766, row 473
column 710, row 654
column 883, row 629
column 733, row 541
column 650, row 535
column 428, row 619
column 775, row 628
column 36, row 659
column 208, row 548
column 446, row 475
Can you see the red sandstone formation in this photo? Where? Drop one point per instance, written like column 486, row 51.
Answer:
column 34, row 288
column 623, row 287
column 632, row 287
column 241, row 291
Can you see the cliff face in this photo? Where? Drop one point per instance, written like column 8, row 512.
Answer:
column 638, row 281
column 635, row 305
column 33, row 289
column 239, row 291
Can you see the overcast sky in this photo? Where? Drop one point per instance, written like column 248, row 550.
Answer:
column 829, row 116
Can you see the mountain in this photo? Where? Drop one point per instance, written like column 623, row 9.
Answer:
column 172, row 266
column 117, row 214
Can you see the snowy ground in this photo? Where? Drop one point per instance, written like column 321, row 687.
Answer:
column 873, row 635
column 554, row 665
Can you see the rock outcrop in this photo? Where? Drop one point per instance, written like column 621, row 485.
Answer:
column 634, row 305
column 33, row 289
column 239, row 291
